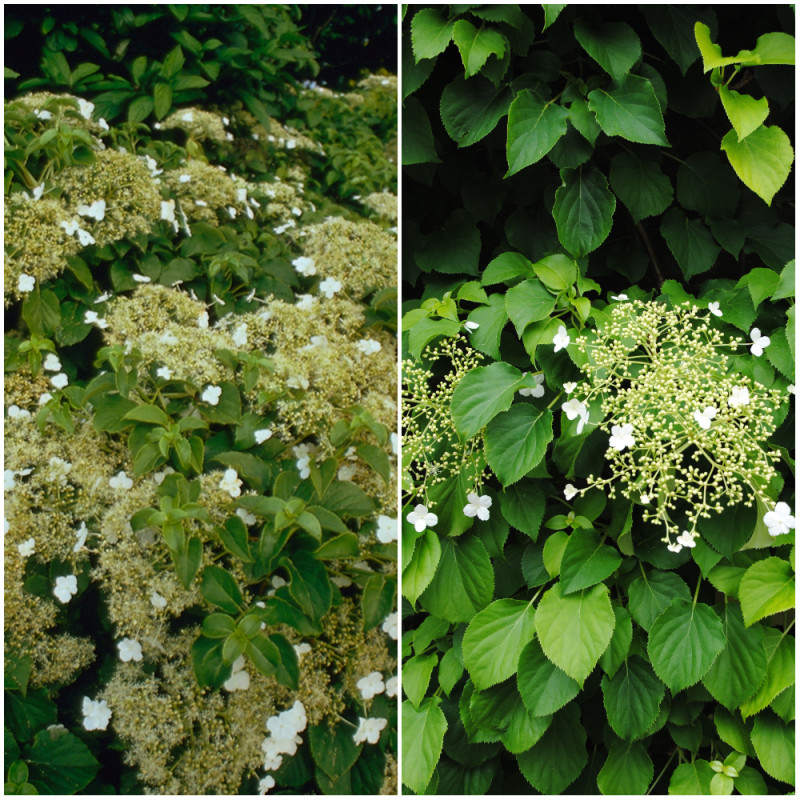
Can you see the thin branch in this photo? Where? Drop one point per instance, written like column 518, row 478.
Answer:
column 650, row 252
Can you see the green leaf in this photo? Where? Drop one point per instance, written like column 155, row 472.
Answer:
column 449, row 498
column 711, row 53
column 761, row 283
column 491, row 318
column 41, row 311
column 162, row 99
column 691, row 779
column 220, row 589
column 750, row 781
column 554, row 551
column 786, row 288
column 533, row 129
column 613, row 45
column 528, row 302
column 377, row 600
column 745, row 112
column 683, row 643
column 516, row 441
column 60, row 763
column 426, row 330
column 728, row 531
column 774, row 745
column 430, row 33
column 140, row 109
column 209, row 667
column 476, row 45
column 551, row 12
column 740, row 667
column 417, row 673
column 673, row 27
column 690, row 242
column 632, row 698
column 450, row 670
column 628, row 770
column 522, row 505
column 333, row 748
column 187, row 560
column 574, row 630
column 557, row 759
column 557, row 272
column 27, row 714
column 706, row 185
column 641, row 185
column 583, row 210
column 630, row 109
column 419, row 146
column 464, row 581
column 620, row 644
column 234, row 537
column 264, row 654
column 472, row 108
column 345, row 545
column 347, row 500
column 762, row 161
column 309, row 585
column 218, row 626
column 544, row 687
column 494, row 640
column 481, row 395
column 423, row 736
column 586, row 561
column 149, row 414
column 652, row 593
column 766, row 588
column 779, row 658
column 453, row 249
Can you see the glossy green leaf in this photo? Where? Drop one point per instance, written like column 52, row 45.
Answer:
column 692, row 778
column 652, row 593
column 766, row 588
column 477, row 45
column 773, row 741
column 516, row 441
column 417, row 673
column 522, row 505
column 430, row 33
column 630, row 109
column 423, row 735
column 583, row 210
column 727, row 531
column 620, row 644
column 544, row 687
column 491, row 318
column 613, row 45
column 534, row 126
column 632, row 698
column 628, row 770
column 482, row 394
column 472, row 108
column 528, row 302
column 586, row 561
column 778, row 674
column 745, row 113
column 220, row 588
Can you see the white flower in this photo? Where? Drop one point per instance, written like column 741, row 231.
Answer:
column 368, row 346
column 96, row 714
column 246, row 516
column 164, row 372
column 619, row 297
column 703, row 418
column 38, row 191
column 152, row 165
column 51, row 363
column 85, row 238
column 574, row 408
column 120, row 481
column 305, row 302
column 302, row 648
column 103, row 124
column 316, row 341
column 303, row 466
column 561, row 339
column 478, row 506
column 66, row 586
column 790, row 388
column 262, row 435
column 102, row 298
column 387, row 529
column 70, row 226
column 202, row 319
column 621, row 437
column 780, row 520
column 211, row 394
column 570, row 491
column 290, row 144
column 305, row 266
column 471, row 326
column 85, row 107
column 239, row 679
column 8, row 480
column 759, row 342
column 96, row 210
column 686, row 539
column 369, row 730
column 60, row 381
column 329, row 287
column 184, row 178
column 239, row 335
column 570, row 386
column 391, row 687
column 535, row 391
column 297, row 382
column 232, row 212
column 645, row 498
column 714, row 309
column 395, row 442
column 346, row 472
column 141, row 278
column 389, row 625
column 158, row 477
column 80, row 536
column 157, row 601
column 231, row 483
column 168, row 210
column 93, row 318
column 420, row 518
column 15, row 412
column 40, row 113
column 371, row 685
column 187, row 116
column 26, row 283
column 27, row 548
column 45, row 398
column 265, row 784
column 674, row 548
column 129, row 650
column 740, row 396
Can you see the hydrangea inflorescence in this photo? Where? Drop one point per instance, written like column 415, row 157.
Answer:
column 687, row 434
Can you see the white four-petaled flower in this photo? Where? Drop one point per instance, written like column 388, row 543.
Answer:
column 686, row 539
column 574, row 408
column 368, row 346
column 211, row 394
column 387, row 529
column 371, row 685
column 329, row 287
column 478, row 506
column 96, row 714
column 129, row 650
column 231, row 483
column 740, row 396
column 621, row 437
column 703, row 418
column 66, row 586
column 369, row 730
column 561, row 339
column 759, row 342
column 389, row 625
column 305, row 266
column 27, row 548
column 120, row 481
column 60, row 381
column 51, row 363
column 262, row 435
column 779, row 520
column 26, row 283
column 421, row 518
column 714, row 309
column 570, row 491
column 535, row 391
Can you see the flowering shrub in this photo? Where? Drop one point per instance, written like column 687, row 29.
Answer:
column 598, row 366
column 200, row 520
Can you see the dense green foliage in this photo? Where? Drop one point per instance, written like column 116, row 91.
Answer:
column 200, row 376
column 598, row 343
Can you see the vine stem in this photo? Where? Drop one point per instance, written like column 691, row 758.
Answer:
column 658, row 777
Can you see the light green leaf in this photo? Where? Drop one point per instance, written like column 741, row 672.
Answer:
column 516, row 441
column 745, row 112
column 557, row 759
column 630, row 109
column 417, row 673
column 613, row 45
column 557, row 272
column 544, row 687
column 450, row 670
column 683, row 643
column 653, row 592
column 779, row 672
column 620, row 644
column 586, row 561
column 774, row 745
column 632, row 698
column 641, row 185
column 628, row 770
column 491, row 318
column 762, row 161
column 761, row 283
column 711, row 53
column 464, row 581
column 505, row 267
column 481, row 395
column 534, row 126
column 449, row 498
column 575, row 630
column 750, row 781
column 551, row 12
column 583, row 210
column 472, row 108
column 690, row 242
column 494, row 640
column 766, row 588
column 692, row 779
column 418, row 143
column 430, row 33
column 553, row 552
column 476, row 45
column 426, row 330
column 740, row 667
column 528, row 302
column 422, row 567
column 423, row 736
